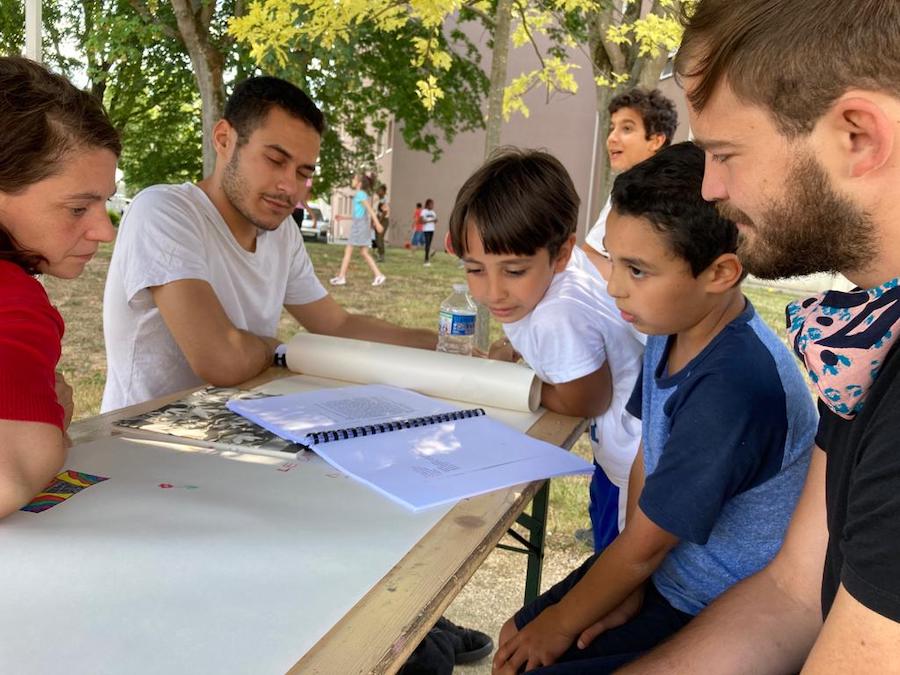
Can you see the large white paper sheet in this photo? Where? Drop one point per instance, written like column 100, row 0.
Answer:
column 240, row 565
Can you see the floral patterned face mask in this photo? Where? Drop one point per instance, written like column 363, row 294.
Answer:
column 843, row 338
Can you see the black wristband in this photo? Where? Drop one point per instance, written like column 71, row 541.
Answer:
column 279, row 358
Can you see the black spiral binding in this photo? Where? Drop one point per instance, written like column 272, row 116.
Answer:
column 372, row 429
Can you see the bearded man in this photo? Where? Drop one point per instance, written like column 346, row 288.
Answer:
column 797, row 105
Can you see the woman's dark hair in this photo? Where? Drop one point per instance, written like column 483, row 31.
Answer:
column 666, row 191
column 45, row 119
column 657, row 112
column 520, row 201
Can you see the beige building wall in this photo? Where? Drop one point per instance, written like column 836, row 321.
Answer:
column 566, row 126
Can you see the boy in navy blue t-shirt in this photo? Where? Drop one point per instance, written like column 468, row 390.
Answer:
column 727, row 427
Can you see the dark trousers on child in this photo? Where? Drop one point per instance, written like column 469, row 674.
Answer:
column 655, row 621
column 428, row 237
column 379, row 238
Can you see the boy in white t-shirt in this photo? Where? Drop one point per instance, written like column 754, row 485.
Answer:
column 513, row 225
column 641, row 123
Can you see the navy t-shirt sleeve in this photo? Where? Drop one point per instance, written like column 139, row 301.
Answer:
column 726, row 437
column 636, row 401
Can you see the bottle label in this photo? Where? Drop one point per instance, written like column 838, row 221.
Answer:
column 454, row 324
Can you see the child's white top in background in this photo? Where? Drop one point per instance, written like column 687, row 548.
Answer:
column 594, row 237
column 428, row 218
column 571, row 332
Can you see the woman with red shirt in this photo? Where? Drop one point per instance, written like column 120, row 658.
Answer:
column 58, row 153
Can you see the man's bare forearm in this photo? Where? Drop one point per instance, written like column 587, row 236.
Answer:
column 243, row 355
column 361, row 327
column 758, row 626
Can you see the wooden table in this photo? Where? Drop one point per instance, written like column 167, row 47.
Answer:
column 383, row 629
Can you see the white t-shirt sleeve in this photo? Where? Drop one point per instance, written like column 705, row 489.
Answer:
column 559, row 342
column 161, row 247
column 595, row 236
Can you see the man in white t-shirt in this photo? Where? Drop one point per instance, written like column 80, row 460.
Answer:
column 640, row 124
column 200, row 272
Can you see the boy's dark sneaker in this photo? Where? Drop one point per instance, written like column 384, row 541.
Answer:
column 469, row 645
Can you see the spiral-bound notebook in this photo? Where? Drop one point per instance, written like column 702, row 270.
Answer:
column 414, row 449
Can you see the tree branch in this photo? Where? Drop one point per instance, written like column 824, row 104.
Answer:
column 537, row 51
column 486, row 19
column 147, row 17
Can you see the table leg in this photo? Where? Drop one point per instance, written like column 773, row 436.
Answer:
column 538, row 528
column 533, row 545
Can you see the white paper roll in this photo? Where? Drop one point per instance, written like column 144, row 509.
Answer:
column 464, row 378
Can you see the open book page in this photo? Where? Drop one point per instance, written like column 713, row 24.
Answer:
column 297, row 416
column 202, row 417
column 427, row 466
column 517, row 419
column 462, row 378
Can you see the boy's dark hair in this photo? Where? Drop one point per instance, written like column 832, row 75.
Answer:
column 418, row 205
column 665, row 190
column 252, row 99
column 46, row 119
column 657, row 112
column 520, row 201
column 792, row 58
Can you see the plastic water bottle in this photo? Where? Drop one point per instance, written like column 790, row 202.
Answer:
column 456, row 327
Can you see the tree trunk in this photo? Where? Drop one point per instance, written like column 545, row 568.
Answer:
column 648, row 69
column 606, row 58
column 604, row 175
column 499, row 59
column 207, row 64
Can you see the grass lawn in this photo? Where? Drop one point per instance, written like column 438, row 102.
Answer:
column 410, row 297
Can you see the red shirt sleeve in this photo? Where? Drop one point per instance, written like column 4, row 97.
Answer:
column 31, row 333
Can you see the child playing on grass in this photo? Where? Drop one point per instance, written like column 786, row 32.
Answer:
column 727, row 427
column 364, row 218
column 513, row 226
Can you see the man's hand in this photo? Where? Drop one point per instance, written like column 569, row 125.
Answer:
column 620, row 615
column 502, row 350
column 538, row 644
column 64, row 398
